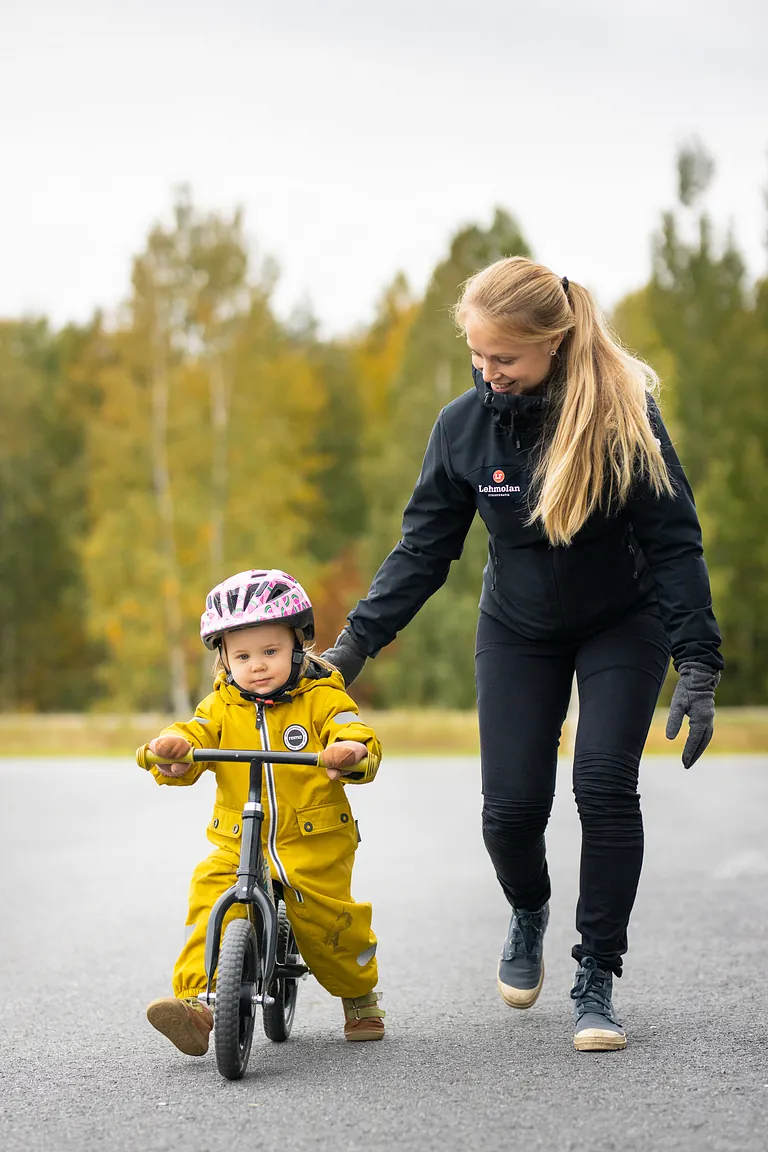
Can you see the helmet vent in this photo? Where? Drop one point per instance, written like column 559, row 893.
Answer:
column 217, row 602
column 277, row 591
column 253, row 590
column 232, row 598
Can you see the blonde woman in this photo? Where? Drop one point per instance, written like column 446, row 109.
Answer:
column 595, row 568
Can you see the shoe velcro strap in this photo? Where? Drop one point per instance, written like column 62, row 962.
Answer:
column 368, row 1012
column 363, row 1008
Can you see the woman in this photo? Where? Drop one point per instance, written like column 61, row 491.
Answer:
column 595, row 567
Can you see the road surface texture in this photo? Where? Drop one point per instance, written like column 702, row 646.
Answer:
column 95, row 865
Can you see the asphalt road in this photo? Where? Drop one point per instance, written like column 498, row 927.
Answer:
column 95, row 862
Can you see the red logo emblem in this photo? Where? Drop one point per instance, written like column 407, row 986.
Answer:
column 498, row 476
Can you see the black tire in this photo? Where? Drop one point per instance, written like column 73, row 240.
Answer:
column 278, row 1017
column 237, row 979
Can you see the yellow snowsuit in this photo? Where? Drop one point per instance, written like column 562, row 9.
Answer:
column 309, row 835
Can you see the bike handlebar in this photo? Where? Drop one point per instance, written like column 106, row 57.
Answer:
column 147, row 759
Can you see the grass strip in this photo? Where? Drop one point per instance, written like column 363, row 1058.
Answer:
column 402, row 732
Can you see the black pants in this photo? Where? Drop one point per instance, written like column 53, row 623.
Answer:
column 523, row 690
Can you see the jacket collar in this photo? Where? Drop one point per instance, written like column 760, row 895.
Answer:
column 509, row 410
column 315, row 674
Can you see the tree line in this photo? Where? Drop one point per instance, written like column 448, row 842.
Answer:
column 196, row 434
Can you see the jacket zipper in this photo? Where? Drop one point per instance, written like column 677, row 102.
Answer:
column 492, row 554
column 269, row 775
column 631, row 547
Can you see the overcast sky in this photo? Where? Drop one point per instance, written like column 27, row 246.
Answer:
column 359, row 134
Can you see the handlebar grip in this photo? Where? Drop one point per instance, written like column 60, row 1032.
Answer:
column 147, row 759
column 356, row 771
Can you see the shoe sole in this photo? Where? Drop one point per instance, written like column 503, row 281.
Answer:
column 360, row 1035
column 596, row 1040
column 520, row 997
column 177, row 1027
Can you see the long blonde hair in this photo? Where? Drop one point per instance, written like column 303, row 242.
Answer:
column 602, row 441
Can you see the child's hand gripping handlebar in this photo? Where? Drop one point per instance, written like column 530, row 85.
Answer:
column 338, row 759
column 172, row 755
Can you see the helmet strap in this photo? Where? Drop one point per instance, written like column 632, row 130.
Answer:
column 280, row 695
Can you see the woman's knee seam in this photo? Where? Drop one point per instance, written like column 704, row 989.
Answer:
column 522, row 819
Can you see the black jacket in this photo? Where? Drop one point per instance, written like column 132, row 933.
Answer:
column 480, row 458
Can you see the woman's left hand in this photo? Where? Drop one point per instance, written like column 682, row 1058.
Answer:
column 341, row 757
column 694, row 696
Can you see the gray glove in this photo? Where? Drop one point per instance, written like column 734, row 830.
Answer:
column 694, row 696
column 346, row 656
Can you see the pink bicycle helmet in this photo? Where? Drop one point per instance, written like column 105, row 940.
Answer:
column 257, row 596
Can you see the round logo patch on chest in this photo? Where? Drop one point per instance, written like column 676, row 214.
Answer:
column 295, row 738
column 498, row 476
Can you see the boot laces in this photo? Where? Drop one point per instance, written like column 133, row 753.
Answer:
column 592, row 989
column 525, row 935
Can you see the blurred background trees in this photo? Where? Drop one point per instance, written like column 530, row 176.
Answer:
column 144, row 459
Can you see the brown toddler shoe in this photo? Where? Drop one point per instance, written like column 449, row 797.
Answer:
column 364, row 1019
column 186, row 1023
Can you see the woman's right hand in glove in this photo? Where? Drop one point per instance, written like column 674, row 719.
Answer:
column 171, row 747
column 346, row 656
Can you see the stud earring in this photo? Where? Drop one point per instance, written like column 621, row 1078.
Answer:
column 553, row 351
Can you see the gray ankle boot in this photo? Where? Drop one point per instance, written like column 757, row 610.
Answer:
column 597, row 1029
column 521, row 968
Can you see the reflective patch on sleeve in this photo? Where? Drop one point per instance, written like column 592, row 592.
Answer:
column 200, row 720
column 346, row 718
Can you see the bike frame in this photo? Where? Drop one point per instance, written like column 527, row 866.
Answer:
column 252, row 887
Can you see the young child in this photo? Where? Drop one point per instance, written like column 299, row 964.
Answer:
column 269, row 692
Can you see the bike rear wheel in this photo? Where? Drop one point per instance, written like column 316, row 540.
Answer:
column 278, row 1017
column 236, row 983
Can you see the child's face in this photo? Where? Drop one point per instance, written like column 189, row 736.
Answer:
column 259, row 658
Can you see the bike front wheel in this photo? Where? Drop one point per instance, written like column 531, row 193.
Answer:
column 236, row 983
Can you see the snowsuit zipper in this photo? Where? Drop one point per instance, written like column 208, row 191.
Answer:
column 269, row 776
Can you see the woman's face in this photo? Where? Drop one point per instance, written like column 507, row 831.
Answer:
column 509, row 366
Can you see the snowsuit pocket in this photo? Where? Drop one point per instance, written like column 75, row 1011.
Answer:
column 226, row 824
column 324, row 818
